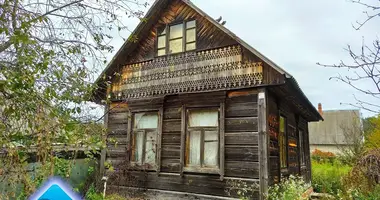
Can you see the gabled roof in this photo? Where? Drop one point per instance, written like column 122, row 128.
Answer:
column 157, row 7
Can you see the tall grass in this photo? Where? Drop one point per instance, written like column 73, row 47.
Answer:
column 327, row 176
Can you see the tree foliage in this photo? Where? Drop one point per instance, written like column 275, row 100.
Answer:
column 49, row 50
column 372, row 134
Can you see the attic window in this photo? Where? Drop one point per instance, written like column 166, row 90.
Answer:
column 177, row 38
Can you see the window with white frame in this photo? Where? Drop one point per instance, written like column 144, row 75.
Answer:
column 144, row 137
column 202, row 139
column 180, row 37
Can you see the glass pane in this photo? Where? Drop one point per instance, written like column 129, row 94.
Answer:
column 176, row 31
column 161, row 52
column 138, row 145
column 211, row 135
column 203, row 118
column 190, row 24
column 163, row 31
column 190, row 35
column 161, row 42
column 211, row 154
column 175, row 46
column 190, row 46
column 195, row 147
column 146, row 120
column 282, row 124
column 150, row 148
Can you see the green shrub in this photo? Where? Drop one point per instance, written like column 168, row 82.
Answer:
column 288, row 189
column 359, row 195
column 327, row 176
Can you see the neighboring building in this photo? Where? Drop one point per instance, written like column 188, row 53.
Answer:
column 192, row 107
column 340, row 129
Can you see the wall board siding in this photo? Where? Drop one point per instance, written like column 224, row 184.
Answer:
column 241, row 153
column 199, row 184
column 241, row 124
column 242, row 138
column 240, row 146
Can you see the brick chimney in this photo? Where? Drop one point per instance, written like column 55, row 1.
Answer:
column 320, row 109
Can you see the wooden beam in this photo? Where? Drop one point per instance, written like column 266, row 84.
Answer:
column 263, row 143
column 129, row 135
column 159, row 138
column 222, row 143
column 183, row 138
column 104, row 151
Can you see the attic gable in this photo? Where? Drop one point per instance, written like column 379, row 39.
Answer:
column 176, row 12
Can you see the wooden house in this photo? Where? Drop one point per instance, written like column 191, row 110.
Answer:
column 191, row 107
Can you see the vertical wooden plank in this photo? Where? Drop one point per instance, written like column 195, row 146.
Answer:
column 202, row 146
column 129, row 135
column 221, row 130
column 183, row 137
column 159, row 138
column 263, row 143
column 308, row 164
column 104, row 151
column 143, row 148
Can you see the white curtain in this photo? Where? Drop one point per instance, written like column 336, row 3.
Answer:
column 201, row 118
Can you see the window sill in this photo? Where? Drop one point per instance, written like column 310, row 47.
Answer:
column 143, row 167
column 202, row 170
column 284, row 171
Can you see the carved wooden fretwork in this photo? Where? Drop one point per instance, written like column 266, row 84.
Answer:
column 208, row 70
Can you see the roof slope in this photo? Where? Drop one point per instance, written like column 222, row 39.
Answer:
column 157, row 7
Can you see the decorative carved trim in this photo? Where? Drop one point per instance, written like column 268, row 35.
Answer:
column 189, row 72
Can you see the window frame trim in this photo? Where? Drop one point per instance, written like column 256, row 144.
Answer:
column 201, row 168
column 302, row 143
column 143, row 165
column 285, row 168
column 167, row 36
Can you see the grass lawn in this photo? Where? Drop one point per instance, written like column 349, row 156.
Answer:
column 327, row 176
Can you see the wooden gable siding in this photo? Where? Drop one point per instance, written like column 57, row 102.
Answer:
column 208, row 36
column 270, row 75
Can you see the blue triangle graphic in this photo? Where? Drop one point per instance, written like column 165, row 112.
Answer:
column 53, row 193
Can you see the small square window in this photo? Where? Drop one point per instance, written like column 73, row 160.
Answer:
column 161, row 42
column 176, row 31
column 190, row 46
column 190, row 35
column 175, row 35
column 175, row 46
column 190, row 24
column 161, row 52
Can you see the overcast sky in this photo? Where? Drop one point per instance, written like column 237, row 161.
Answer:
column 296, row 35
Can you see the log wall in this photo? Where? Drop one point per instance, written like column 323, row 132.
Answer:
column 241, row 153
